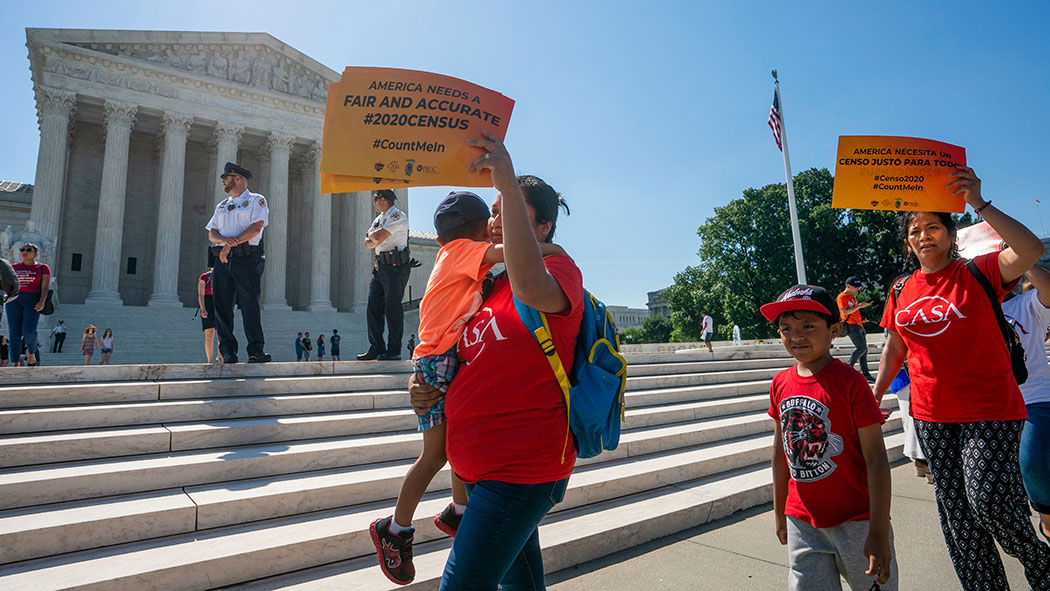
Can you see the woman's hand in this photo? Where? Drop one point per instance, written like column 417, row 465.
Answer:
column 423, row 396
column 496, row 160
column 968, row 184
column 39, row 306
column 204, row 313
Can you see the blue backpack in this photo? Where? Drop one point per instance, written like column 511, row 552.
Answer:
column 594, row 391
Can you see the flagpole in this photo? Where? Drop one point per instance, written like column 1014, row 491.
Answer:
column 800, row 265
column 1039, row 212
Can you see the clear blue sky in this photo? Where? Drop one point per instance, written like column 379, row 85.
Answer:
column 646, row 116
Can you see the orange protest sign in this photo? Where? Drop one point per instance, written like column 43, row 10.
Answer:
column 340, row 183
column 896, row 173
column 406, row 125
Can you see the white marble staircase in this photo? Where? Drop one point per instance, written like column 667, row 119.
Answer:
column 145, row 335
column 267, row 476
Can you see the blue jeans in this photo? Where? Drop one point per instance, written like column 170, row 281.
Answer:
column 1035, row 456
column 498, row 541
column 22, row 319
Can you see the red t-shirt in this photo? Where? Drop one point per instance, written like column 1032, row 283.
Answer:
column 504, row 409
column 30, row 277
column 819, row 417
column 960, row 371
column 206, row 278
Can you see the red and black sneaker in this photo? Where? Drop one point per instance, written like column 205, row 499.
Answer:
column 395, row 552
column 447, row 521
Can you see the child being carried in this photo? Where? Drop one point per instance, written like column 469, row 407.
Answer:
column 452, row 297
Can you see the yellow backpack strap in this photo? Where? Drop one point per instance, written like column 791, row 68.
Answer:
column 543, row 337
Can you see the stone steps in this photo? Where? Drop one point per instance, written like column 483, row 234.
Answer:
column 199, row 477
column 138, row 339
column 253, row 546
column 207, row 560
column 570, row 537
column 644, row 456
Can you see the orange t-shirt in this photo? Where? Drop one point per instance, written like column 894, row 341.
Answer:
column 845, row 300
column 452, row 297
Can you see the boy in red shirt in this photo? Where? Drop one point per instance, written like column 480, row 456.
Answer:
column 831, row 477
column 452, row 297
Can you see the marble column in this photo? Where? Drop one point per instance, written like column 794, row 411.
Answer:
column 261, row 179
column 320, row 233
column 227, row 138
column 105, row 274
column 275, row 237
column 345, row 231
column 175, row 128
column 364, row 213
column 55, row 108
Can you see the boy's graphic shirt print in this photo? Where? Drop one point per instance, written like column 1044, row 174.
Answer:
column 809, row 441
column 819, row 416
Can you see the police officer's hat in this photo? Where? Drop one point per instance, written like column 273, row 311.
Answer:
column 232, row 168
column 387, row 194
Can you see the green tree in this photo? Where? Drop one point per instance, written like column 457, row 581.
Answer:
column 747, row 259
column 656, row 329
column 632, row 336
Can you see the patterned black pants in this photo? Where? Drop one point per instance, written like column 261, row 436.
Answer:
column 981, row 500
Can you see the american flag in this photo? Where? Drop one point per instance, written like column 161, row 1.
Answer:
column 774, row 120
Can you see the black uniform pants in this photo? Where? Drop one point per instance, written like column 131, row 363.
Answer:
column 856, row 335
column 981, row 500
column 240, row 282
column 384, row 299
column 60, row 337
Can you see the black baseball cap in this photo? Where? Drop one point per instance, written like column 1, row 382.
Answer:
column 232, row 168
column 811, row 298
column 853, row 281
column 460, row 207
column 387, row 194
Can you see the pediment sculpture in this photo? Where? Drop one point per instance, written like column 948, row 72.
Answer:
column 253, row 66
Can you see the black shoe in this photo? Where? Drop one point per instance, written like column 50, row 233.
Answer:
column 371, row 355
column 447, row 521
column 871, row 380
column 264, row 358
column 395, row 552
column 229, row 359
column 389, row 357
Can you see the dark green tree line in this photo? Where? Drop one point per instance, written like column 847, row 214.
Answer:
column 747, row 258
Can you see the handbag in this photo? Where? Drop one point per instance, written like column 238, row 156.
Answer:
column 49, row 306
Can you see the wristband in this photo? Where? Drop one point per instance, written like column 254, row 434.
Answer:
column 982, row 208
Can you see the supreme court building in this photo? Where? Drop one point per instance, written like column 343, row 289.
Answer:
column 135, row 127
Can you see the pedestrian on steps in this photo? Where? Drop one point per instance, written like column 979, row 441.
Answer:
column 87, row 343
column 107, row 346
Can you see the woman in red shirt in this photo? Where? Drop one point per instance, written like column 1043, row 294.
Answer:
column 206, row 303
column 968, row 410
column 23, row 312
column 507, row 433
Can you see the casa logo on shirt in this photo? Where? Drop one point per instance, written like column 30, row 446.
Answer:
column 809, row 443
column 927, row 316
column 481, row 330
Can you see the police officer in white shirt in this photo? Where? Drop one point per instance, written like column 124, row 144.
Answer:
column 388, row 235
column 58, row 335
column 236, row 228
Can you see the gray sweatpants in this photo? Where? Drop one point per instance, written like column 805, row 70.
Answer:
column 819, row 556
